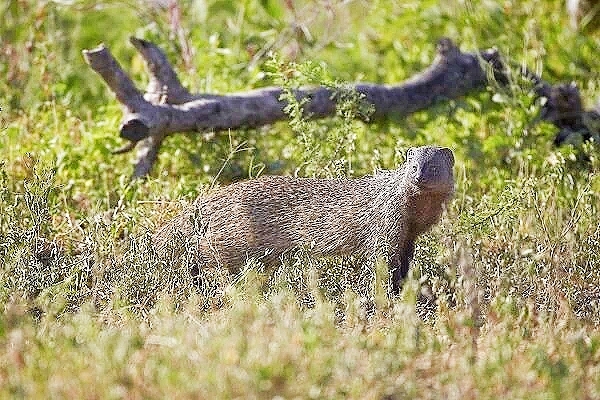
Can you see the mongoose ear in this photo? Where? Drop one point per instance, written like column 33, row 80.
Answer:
column 450, row 155
column 410, row 153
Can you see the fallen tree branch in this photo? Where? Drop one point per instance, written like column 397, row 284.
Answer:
column 167, row 107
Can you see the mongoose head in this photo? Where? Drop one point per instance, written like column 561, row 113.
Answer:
column 430, row 168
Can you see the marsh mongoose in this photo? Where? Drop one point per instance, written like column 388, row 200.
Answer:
column 267, row 217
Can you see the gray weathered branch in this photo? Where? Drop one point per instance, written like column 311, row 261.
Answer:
column 167, row 107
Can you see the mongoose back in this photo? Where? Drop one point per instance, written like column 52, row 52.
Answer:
column 266, row 217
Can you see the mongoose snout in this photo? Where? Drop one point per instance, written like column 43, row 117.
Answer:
column 431, row 168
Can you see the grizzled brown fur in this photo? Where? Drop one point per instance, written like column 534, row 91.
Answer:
column 265, row 218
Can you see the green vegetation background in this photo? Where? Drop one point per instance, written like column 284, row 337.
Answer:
column 503, row 298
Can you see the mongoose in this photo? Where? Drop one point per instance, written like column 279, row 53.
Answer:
column 265, row 218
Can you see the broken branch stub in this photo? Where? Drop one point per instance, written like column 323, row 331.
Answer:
column 164, row 83
column 101, row 61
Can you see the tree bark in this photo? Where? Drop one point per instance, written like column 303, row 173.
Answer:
column 167, row 107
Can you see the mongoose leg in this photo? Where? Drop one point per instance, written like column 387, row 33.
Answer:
column 399, row 263
column 195, row 271
column 198, row 262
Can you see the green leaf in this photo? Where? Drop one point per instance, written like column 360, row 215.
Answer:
column 273, row 8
